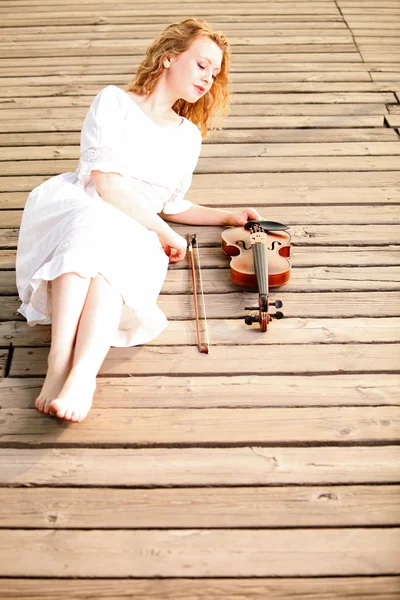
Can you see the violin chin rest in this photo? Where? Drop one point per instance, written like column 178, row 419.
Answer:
column 267, row 225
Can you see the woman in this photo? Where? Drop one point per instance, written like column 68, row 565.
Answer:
column 94, row 245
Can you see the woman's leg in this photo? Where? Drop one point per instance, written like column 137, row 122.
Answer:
column 99, row 321
column 68, row 295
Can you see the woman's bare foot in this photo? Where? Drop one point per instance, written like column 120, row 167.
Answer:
column 56, row 377
column 75, row 399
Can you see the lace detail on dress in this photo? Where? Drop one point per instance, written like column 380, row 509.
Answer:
column 82, row 235
column 95, row 154
column 181, row 190
column 176, row 202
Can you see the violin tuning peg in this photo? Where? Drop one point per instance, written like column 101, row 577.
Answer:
column 251, row 308
column 277, row 304
column 278, row 315
column 250, row 320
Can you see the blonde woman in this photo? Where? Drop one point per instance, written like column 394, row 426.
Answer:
column 95, row 244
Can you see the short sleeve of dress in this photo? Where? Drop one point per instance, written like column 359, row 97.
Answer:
column 102, row 136
column 177, row 203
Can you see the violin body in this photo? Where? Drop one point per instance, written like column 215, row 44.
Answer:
column 237, row 243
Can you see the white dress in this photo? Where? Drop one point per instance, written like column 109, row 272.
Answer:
column 67, row 227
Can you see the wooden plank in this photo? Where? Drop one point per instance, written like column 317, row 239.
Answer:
column 146, row 30
column 180, row 360
column 236, row 165
column 177, row 553
column 81, row 97
column 393, row 120
column 198, row 466
column 232, row 331
column 8, row 238
column 362, row 16
column 251, row 87
column 207, row 8
column 285, row 196
column 37, row 125
column 367, row 33
column 100, row 79
column 235, row 77
column 156, row 6
column 223, row 18
column 238, row 195
column 170, row 589
column 91, row 65
column 17, row 111
column 282, row 149
column 382, row 66
column 369, row 43
column 315, row 279
column 298, row 304
column 41, row 67
column 329, row 236
column 7, row 259
column 386, row 77
column 260, row 41
column 330, row 250
column 286, row 53
column 187, row 426
column 8, row 113
column 52, row 508
column 377, row 56
column 227, row 150
column 269, row 37
column 379, row 134
column 242, row 45
column 294, row 215
column 349, row 179
column 156, row 391
column 3, row 361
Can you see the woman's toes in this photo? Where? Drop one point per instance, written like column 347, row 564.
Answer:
column 68, row 414
column 75, row 416
column 41, row 404
column 56, row 409
column 46, row 407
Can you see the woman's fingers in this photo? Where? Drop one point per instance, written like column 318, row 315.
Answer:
column 177, row 254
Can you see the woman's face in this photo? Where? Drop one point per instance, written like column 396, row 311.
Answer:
column 190, row 75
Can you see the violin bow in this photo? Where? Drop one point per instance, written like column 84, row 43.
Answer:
column 192, row 243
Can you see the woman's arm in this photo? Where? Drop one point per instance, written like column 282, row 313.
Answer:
column 118, row 191
column 204, row 215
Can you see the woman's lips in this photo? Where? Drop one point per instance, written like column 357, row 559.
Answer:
column 199, row 89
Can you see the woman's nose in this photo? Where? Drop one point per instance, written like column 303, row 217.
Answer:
column 206, row 78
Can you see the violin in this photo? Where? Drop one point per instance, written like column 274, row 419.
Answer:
column 259, row 254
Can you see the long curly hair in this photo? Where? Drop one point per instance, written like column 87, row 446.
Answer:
column 211, row 109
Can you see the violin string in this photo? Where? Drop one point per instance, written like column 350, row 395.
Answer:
column 202, row 295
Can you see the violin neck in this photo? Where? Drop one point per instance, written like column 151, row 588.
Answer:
column 260, row 258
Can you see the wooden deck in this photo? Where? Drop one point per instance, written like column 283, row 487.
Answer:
column 268, row 469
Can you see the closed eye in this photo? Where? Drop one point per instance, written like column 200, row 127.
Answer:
column 201, row 67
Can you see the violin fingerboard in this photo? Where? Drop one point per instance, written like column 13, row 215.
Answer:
column 260, row 259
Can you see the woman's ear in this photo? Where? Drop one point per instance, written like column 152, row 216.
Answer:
column 166, row 61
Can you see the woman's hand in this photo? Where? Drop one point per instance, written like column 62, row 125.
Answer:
column 174, row 247
column 239, row 219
